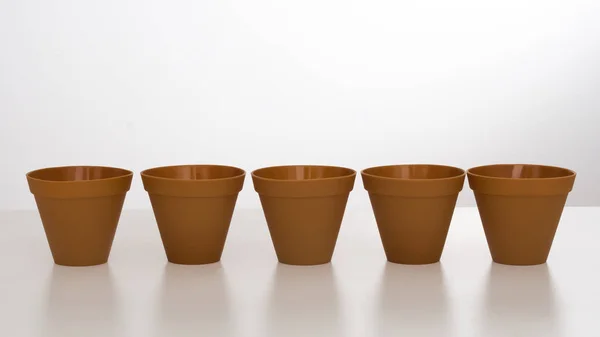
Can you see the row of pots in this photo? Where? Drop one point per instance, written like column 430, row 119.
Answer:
column 520, row 208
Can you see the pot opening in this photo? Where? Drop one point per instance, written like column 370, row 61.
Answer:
column 419, row 171
column 303, row 172
column 521, row 171
column 78, row 173
column 194, row 172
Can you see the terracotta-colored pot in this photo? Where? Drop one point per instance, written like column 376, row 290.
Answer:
column 80, row 208
column 520, row 207
column 193, row 206
column 413, row 206
column 304, row 207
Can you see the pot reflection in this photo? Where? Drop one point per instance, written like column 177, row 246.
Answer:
column 303, row 302
column 82, row 302
column 518, row 300
column 413, row 301
column 194, row 301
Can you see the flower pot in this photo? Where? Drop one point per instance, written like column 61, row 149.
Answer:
column 304, row 207
column 520, row 208
column 413, row 206
column 80, row 208
column 193, row 206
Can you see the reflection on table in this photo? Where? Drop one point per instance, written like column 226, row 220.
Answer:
column 303, row 302
column 412, row 301
column 81, row 301
column 194, row 301
column 520, row 301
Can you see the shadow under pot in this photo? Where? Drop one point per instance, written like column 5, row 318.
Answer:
column 193, row 206
column 520, row 208
column 413, row 207
column 80, row 208
column 304, row 207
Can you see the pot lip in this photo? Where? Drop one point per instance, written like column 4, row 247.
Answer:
column 475, row 175
column 370, row 175
column 145, row 173
column 350, row 175
column 126, row 173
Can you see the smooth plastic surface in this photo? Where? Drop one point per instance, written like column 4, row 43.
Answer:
column 304, row 207
column 413, row 207
column 80, row 208
column 193, row 206
column 520, row 207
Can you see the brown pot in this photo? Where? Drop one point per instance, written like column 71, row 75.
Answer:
column 80, row 207
column 520, row 207
column 304, row 207
column 193, row 206
column 413, row 206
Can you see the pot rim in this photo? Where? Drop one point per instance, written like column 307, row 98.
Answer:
column 570, row 174
column 126, row 173
column 345, row 176
column 375, row 176
column 145, row 173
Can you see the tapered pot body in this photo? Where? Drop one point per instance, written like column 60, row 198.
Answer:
column 520, row 208
column 80, row 207
column 413, row 207
column 304, row 206
column 193, row 206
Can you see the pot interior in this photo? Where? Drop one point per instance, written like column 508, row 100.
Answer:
column 415, row 171
column 521, row 171
column 303, row 172
column 194, row 172
column 78, row 173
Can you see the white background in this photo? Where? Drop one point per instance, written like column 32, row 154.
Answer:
column 137, row 84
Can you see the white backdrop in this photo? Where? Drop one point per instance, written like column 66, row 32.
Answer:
column 138, row 84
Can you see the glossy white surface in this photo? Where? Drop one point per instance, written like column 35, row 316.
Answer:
column 249, row 294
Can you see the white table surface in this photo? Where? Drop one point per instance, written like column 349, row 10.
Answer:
column 249, row 294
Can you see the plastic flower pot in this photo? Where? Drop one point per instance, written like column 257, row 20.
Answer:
column 80, row 208
column 413, row 207
column 304, row 207
column 193, row 206
column 520, row 208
